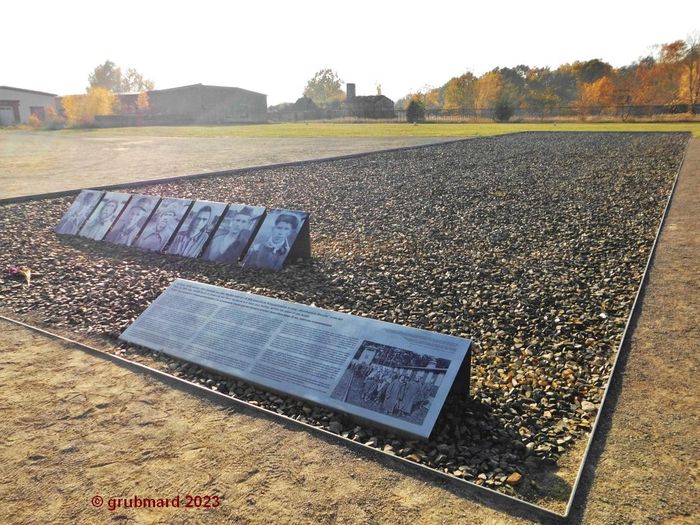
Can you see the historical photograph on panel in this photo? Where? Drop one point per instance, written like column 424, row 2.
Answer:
column 392, row 381
column 162, row 224
column 135, row 215
column 234, row 233
column 275, row 238
column 196, row 229
column 104, row 215
column 80, row 210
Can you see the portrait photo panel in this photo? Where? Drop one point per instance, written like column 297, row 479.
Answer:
column 104, row 215
column 275, row 239
column 194, row 232
column 162, row 224
column 131, row 222
column 234, row 233
column 83, row 205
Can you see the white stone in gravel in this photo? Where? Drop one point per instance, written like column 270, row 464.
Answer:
column 588, row 407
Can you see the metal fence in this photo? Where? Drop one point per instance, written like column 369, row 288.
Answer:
column 621, row 112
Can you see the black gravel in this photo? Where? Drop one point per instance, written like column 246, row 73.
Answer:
column 533, row 245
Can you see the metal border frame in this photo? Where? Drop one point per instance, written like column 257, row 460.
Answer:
column 482, row 494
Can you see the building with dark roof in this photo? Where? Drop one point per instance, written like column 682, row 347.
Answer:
column 17, row 105
column 373, row 106
column 201, row 104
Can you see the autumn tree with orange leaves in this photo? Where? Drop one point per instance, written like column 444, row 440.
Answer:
column 81, row 110
column 460, row 92
column 596, row 96
column 685, row 55
column 489, row 89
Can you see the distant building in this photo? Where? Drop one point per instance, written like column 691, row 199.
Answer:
column 373, row 106
column 306, row 109
column 202, row 104
column 305, row 104
column 128, row 103
column 17, row 105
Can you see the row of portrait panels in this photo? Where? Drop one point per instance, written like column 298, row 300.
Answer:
column 215, row 231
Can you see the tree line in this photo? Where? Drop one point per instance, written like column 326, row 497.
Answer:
column 669, row 77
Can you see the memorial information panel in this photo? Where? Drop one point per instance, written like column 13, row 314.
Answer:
column 395, row 376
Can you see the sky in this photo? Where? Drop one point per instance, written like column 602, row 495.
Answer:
column 275, row 47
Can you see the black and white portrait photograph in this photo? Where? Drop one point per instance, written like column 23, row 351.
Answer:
column 80, row 210
column 234, row 233
column 134, row 218
column 104, row 215
column 275, row 238
column 392, row 381
column 196, row 229
column 162, row 224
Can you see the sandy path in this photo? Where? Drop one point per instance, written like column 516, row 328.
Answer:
column 43, row 162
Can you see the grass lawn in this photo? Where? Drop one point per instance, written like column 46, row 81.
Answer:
column 380, row 129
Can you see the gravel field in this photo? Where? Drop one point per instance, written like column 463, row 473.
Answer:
column 533, row 245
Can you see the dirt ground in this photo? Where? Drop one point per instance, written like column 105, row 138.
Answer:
column 43, row 162
column 75, row 426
